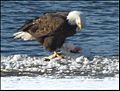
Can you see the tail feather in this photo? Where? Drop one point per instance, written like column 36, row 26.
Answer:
column 23, row 35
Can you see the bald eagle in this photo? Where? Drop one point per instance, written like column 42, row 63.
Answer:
column 51, row 29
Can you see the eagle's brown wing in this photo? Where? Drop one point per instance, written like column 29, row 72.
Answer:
column 45, row 25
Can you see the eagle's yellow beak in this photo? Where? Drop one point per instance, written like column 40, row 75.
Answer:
column 80, row 26
column 79, row 23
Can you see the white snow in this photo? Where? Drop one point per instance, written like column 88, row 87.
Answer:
column 22, row 72
column 43, row 83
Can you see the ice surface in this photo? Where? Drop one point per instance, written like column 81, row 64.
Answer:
column 80, row 66
column 26, row 72
column 42, row 83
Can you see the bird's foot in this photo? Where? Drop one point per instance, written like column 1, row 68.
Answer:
column 55, row 55
column 59, row 55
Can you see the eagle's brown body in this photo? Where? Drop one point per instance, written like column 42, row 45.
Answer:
column 50, row 30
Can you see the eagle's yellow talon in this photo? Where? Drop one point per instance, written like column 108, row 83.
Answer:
column 56, row 55
column 60, row 55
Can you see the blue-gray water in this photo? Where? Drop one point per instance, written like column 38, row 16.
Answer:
column 100, row 33
column 99, row 37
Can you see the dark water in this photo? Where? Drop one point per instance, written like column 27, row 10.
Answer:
column 100, row 34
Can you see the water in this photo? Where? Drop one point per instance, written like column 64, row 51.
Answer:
column 100, row 33
column 25, row 59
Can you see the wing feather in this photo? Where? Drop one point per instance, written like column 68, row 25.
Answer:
column 45, row 25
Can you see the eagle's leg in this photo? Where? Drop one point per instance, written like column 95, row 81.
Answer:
column 52, row 56
column 59, row 54
column 56, row 55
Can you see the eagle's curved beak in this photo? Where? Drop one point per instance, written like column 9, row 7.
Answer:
column 80, row 26
column 80, row 23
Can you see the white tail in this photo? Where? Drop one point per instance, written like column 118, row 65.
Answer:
column 23, row 35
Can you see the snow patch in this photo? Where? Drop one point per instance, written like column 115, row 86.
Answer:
column 80, row 66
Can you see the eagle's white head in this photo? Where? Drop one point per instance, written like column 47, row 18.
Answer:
column 76, row 18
